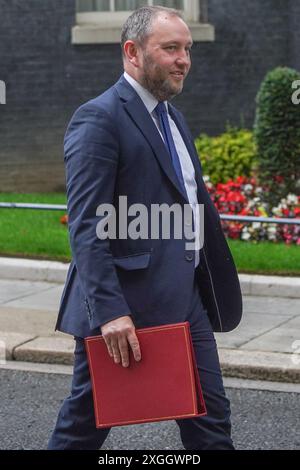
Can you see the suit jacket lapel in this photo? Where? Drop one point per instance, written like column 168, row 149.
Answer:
column 139, row 114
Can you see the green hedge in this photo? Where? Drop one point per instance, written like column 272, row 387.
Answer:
column 277, row 134
column 228, row 155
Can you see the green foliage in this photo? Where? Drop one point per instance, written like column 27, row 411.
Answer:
column 277, row 134
column 228, row 155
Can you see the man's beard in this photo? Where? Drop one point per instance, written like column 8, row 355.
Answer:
column 156, row 82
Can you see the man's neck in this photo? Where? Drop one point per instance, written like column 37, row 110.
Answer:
column 148, row 99
column 130, row 78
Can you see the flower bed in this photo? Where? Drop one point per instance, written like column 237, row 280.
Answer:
column 243, row 196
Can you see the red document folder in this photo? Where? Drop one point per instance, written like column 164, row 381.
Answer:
column 163, row 385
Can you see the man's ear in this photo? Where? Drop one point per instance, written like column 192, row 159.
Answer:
column 132, row 52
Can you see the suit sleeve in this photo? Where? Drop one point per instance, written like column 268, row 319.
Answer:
column 91, row 160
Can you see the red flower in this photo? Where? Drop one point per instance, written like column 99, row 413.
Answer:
column 64, row 219
column 297, row 212
column 244, row 211
column 230, row 198
column 278, row 178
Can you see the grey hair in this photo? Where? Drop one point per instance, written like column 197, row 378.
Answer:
column 137, row 27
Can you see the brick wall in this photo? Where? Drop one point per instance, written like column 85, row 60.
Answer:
column 47, row 78
column 294, row 39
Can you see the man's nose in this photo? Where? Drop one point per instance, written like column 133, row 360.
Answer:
column 183, row 58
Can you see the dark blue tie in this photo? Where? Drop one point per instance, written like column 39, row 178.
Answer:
column 168, row 138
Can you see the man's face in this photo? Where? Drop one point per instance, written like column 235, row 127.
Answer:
column 166, row 57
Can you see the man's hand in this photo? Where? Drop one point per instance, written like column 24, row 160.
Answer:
column 117, row 334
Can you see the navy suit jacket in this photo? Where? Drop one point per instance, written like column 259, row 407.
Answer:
column 113, row 148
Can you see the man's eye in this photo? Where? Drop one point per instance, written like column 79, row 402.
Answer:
column 171, row 48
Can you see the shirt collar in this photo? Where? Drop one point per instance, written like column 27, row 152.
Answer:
column 148, row 99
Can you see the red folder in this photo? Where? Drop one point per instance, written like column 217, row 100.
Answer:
column 163, row 385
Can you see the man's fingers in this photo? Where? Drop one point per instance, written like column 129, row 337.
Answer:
column 123, row 348
column 109, row 348
column 117, row 334
column 135, row 346
column 118, row 348
column 115, row 350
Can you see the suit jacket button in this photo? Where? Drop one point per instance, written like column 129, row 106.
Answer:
column 189, row 257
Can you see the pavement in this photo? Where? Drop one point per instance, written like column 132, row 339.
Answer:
column 265, row 346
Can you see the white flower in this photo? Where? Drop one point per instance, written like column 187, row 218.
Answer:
column 256, row 225
column 206, row 178
column 282, row 205
column 276, row 211
column 292, row 199
column 245, row 236
column 271, row 236
column 248, row 188
column 272, row 229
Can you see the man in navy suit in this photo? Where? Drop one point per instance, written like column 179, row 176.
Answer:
column 131, row 142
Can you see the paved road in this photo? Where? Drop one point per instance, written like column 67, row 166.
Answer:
column 30, row 401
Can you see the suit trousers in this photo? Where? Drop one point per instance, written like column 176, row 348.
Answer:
column 75, row 427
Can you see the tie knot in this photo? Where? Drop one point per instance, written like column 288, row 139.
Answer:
column 160, row 108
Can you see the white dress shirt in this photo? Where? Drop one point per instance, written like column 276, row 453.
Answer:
column 186, row 164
